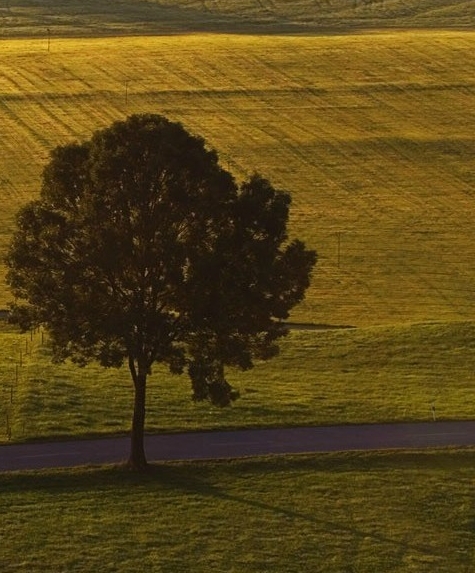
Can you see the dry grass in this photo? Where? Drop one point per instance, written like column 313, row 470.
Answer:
column 102, row 17
column 372, row 134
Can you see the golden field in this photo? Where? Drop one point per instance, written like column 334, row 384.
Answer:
column 373, row 134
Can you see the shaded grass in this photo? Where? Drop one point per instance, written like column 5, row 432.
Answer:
column 372, row 134
column 379, row 374
column 99, row 17
column 398, row 512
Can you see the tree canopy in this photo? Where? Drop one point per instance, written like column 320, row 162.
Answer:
column 141, row 249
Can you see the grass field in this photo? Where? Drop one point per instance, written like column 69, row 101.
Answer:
column 373, row 135
column 100, row 17
column 379, row 374
column 397, row 512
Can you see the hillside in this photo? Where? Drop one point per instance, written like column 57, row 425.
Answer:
column 372, row 134
column 98, row 17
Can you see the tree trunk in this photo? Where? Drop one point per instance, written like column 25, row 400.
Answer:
column 137, row 459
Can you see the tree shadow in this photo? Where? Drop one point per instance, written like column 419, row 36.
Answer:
column 184, row 478
column 177, row 478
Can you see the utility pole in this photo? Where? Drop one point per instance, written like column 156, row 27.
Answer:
column 126, row 91
column 338, row 248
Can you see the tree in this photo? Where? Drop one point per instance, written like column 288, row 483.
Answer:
column 142, row 249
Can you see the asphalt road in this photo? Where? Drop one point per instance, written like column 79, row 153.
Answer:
column 238, row 444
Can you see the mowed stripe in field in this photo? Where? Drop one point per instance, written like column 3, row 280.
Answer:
column 372, row 134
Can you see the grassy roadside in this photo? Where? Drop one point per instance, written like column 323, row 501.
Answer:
column 379, row 374
column 385, row 512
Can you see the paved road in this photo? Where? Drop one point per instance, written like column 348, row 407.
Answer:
column 241, row 443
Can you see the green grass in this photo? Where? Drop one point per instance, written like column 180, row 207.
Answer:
column 379, row 374
column 378, row 157
column 372, row 134
column 394, row 512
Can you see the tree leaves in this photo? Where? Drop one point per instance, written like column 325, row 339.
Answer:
column 142, row 248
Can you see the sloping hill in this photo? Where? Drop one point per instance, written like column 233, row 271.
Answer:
column 88, row 17
column 373, row 134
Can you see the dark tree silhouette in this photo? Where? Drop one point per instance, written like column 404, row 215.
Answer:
column 142, row 249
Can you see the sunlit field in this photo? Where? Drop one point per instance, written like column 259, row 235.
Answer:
column 379, row 374
column 372, row 134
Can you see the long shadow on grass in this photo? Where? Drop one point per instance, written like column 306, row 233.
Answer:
column 196, row 479
column 181, row 479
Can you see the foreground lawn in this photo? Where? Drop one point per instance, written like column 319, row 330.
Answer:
column 383, row 374
column 397, row 512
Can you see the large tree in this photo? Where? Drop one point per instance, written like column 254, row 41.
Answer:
column 141, row 248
